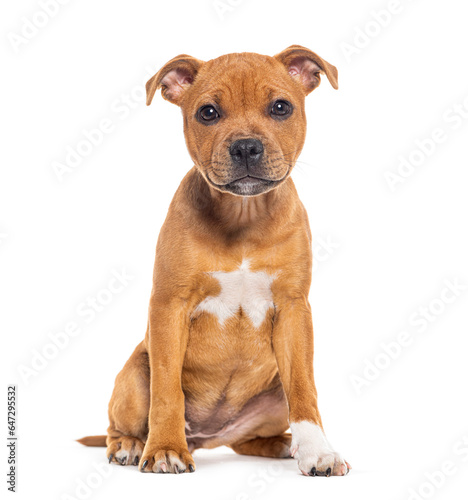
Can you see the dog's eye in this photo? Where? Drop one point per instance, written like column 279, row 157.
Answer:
column 207, row 114
column 281, row 109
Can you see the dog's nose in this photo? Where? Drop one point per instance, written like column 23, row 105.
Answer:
column 246, row 152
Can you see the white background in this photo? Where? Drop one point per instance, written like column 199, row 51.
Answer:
column 389, row 252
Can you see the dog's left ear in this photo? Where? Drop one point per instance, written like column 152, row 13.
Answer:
column 305, row 66
column 173, row 78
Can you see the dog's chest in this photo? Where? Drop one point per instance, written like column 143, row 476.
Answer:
column 241, row 290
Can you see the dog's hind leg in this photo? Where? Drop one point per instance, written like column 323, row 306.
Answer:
column 275, row 446
column 128, row 410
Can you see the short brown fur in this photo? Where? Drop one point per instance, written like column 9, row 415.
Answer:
column 189, row 371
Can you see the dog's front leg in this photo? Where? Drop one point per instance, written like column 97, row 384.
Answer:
column 166, row 447
column 293, row 343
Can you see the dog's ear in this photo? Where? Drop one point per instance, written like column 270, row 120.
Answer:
column 173, row 78
column 305, row 66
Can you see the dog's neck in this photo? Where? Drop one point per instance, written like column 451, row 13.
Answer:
column 236, row 213
column 241, row 211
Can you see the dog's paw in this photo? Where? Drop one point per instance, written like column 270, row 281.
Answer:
column 124, row 450
column 172, row 459
column 313, row 452
column 326, row 464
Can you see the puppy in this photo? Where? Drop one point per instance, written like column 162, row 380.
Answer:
column 227, row 357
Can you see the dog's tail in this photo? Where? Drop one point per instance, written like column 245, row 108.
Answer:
column 93, row 440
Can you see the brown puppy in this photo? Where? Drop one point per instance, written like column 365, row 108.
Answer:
column 228, row 354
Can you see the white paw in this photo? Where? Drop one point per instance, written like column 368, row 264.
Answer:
column 314, row 454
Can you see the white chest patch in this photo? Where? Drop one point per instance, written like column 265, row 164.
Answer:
column 244, row 289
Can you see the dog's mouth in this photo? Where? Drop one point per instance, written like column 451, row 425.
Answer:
column 248, row 185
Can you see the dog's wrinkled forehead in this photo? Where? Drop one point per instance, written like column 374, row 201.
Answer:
column 241, row 81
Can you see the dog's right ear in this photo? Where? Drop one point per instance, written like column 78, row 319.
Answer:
column 305, row 67
column 173, row 78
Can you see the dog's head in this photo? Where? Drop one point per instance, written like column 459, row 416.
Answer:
column 244, row 118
